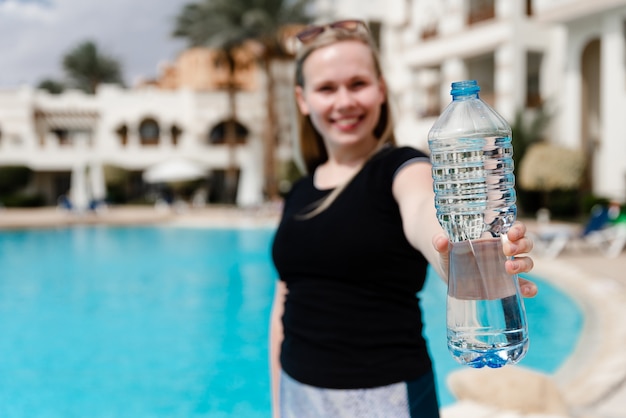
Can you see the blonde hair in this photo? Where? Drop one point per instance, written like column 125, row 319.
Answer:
column 312, row 148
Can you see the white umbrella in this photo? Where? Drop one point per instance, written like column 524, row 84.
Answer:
column 174, row 171
column 97, row 182
column 79, row 196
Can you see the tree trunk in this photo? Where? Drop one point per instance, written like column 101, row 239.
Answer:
column 271, row 133
column 230, row 133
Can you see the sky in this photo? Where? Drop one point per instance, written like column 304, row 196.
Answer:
column 36, row 34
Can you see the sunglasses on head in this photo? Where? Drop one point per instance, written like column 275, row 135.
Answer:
column 312, row 32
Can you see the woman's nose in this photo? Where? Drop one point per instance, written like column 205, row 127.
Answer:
column 344, row 98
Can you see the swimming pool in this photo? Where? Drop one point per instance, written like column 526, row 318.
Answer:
column 172, row 322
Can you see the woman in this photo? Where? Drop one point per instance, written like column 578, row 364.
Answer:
column 353, row 245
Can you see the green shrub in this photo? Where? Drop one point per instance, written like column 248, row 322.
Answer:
column 564, row 204
column 21, row 200
column 13, row 179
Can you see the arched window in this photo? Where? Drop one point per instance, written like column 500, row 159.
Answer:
column 122, row 134
column 218, row 135
column 176, row 132
column 149, row 132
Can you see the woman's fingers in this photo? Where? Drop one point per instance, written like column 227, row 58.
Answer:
column 528, row 288
column 519, row 265
column 517, row 242
column 515, row 247
column 441, row 243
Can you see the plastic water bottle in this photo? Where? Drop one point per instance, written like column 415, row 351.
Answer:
column 471, row 154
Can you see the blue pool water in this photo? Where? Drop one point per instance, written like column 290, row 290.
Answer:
column 172, row 322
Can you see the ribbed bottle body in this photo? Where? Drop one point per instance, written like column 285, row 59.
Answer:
column 472, row 158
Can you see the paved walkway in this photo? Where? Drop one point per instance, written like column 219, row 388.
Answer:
column 592, row 381
column 213, row 215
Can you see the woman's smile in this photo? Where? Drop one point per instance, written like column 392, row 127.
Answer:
column 347, row 124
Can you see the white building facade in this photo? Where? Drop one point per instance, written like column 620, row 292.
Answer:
column 590, row 84
column 567, row 54
column 65, row 137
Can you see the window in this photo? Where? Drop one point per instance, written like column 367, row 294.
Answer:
column 149, row 132
column 175, row 131
column 375, row 27
column 220, row 61
column 63, row 136
column 218, row 135
column 480, row 10
column 122, row 134
column 533, row 69
column 430, row 31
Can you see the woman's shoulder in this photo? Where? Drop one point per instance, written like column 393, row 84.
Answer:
column 408, row 152
column 394, row 156
column 302, row 183
column 384, row 166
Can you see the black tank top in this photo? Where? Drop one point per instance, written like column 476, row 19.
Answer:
column 351, row 318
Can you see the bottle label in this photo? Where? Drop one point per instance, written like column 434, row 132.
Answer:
column 477, row 272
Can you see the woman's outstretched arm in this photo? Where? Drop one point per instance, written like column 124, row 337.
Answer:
column 413, row 190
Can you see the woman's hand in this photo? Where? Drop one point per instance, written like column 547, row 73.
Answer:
column 516, row 246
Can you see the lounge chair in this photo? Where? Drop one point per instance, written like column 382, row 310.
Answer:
column 602, row 232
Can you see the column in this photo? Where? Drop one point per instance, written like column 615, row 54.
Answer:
column 453, row 69
column 509, row 79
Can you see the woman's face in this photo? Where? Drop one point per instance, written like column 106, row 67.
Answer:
column 342, row 93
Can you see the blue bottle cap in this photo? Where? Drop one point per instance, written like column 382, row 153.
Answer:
column 466, row 87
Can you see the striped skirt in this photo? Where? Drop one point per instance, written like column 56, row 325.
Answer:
column 413, row 399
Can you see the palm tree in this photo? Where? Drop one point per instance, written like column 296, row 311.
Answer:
column 226, row 25
column 51, row 85
column 87, row 67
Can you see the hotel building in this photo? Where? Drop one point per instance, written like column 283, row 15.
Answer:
column 569, row 55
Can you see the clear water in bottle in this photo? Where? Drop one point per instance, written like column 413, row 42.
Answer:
column 485, row 318
column 494, row 343
column 471, row 154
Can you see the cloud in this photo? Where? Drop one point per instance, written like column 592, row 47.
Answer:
column 35, row 35
column 25, row 10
